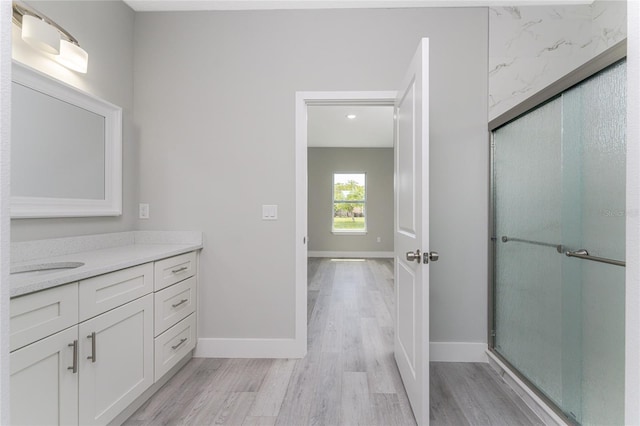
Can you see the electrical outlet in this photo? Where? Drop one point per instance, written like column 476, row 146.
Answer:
column 143, row 211
column 379, row 240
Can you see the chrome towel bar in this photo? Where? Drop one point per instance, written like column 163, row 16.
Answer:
column 558, row 247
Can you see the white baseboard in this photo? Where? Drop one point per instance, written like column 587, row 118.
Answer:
column 289, row 348
column 457, row 352
column 537, row 405
column 250, row 348
column 365, row 254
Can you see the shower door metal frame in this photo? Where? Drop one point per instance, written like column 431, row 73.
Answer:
column 607, row 58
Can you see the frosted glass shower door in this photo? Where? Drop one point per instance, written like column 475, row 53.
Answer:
column 559, row 186
column 528, row 269
column 594, row 125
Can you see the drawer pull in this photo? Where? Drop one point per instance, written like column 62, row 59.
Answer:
column 184, row 268
column 175, row 305
column 92, row 336
column 184, row 339
column 74, row 367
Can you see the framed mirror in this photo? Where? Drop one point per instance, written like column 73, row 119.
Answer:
column 66, row 149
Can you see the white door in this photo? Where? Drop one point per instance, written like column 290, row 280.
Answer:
column 411, row 347
column 44, row 381
column 116, row 360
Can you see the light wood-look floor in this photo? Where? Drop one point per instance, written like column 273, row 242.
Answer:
column 348, row 377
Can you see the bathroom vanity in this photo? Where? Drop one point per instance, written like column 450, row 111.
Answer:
column 98, row 323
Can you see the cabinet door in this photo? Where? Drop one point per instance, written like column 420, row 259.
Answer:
column 44, row 391
column 116, row 360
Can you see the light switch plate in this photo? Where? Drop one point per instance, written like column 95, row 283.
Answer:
column 269, row 212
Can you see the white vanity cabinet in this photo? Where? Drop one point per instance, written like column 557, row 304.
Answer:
column 44, row 383
column 84, row 352
column 44, row 358
column 116, row 360
column 175, row 306
column 116, row 342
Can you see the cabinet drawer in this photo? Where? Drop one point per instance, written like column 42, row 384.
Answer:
column 174, row 344
column 42, row 314
column 108, row 291
column 174, row 269
column 174, row 303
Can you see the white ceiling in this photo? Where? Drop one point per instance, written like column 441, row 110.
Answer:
column 184, row 5
column 328, row 126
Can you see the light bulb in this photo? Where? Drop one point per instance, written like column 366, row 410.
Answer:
column 40, row 35
column 73, row 56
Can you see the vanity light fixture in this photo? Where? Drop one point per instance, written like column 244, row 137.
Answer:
column 351, row 116
column 40, row 35
column 44, row 34
column 73, row 56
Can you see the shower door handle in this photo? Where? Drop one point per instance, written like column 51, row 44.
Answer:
column 584, row 254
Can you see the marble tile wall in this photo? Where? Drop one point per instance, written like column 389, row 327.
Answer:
column 530, row 47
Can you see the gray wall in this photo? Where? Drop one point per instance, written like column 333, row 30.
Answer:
column 214, row 102
column 377, row 163
column 105, row 30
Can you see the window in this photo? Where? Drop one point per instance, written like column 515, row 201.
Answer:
column 349, row 203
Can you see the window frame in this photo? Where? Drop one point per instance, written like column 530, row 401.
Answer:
column 334, row 202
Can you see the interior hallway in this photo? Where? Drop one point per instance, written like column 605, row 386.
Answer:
column 348, row 377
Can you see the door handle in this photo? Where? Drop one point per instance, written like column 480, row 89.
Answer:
column 413, row 257
column 175, row 305
column 74, row 367
column 92, row 336
column 431, row 256
column 174, row 347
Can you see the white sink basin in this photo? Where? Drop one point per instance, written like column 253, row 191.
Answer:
column 43, row 268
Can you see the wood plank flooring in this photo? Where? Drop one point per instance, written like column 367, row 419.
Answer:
column 348, row 377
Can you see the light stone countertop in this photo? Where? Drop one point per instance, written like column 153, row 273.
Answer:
column 100, row 254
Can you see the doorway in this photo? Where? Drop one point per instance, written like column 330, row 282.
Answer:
column 303, row 101
column 350, row 172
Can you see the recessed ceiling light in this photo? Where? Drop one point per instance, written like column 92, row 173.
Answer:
column 351, row 116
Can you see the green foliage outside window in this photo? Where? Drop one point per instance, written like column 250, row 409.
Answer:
column 349, row 202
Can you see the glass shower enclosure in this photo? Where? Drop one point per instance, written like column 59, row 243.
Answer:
column 558, row 195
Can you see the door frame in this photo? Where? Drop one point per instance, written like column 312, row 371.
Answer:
column 303, row 100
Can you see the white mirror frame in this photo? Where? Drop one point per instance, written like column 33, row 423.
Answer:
column 111, row 205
